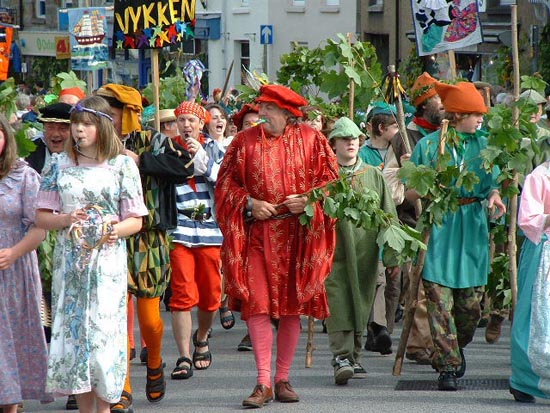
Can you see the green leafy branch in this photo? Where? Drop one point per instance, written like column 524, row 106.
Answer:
column 343, row 199
column 438, row 186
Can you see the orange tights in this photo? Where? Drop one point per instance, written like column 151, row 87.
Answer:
column 152, row 328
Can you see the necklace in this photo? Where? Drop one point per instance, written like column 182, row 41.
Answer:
column 94, row 158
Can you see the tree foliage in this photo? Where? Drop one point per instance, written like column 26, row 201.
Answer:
column 329, row 70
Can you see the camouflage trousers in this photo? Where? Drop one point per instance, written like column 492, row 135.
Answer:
column 453, row 314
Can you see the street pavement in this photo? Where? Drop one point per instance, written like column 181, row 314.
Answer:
column 231, row 379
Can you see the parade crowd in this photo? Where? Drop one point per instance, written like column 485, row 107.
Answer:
column 109, row 218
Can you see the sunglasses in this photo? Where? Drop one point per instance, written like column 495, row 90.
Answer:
column 79, row 108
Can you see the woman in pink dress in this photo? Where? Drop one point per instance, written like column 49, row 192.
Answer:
column 21, row 334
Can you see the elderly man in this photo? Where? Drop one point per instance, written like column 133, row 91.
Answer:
column 274, row 266
column 162, row 164
column 196, row 276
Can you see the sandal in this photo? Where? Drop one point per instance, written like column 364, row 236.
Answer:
column 227, row 321
column 157, row 385
column 206, row 356
column 181, row 372
column 124, row 405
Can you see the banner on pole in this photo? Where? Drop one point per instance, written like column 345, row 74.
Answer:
column 6, row 37
column 141, row 24
column 442, row 25
column 89, row 49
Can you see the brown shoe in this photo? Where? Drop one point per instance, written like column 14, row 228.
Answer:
column 260, row 396
column 285, row 393
column 494, row 327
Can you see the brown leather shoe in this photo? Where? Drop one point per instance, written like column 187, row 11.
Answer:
column 285, row 393
column 494, row 328
column 260, row 396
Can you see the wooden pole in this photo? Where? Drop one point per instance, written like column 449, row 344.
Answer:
column 513, row 205
column 351, row 84
column 410, row 305
column 401, row 115
column 155, row 81
column 227, row 77
column 452, row 63
column 309, row 346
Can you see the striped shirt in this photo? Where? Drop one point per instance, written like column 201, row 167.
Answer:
column 199, row 193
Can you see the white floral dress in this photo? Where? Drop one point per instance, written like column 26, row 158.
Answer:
column 88, row 346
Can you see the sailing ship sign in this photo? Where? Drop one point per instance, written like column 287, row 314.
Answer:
column 89, row 48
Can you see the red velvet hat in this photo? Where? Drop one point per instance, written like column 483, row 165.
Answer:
column 283, row 97
column 239, row 116
column 462, row 97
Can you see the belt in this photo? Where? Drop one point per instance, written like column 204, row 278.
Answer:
column 196, row 215
column 467, row 201
column 280, row 216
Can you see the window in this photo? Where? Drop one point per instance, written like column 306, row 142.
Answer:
column 245, row 3
column 330, row 6
column 40, row 7
column 69, row 4
column 296, row 6
column 332, row 3
column 245, row 60
column 376, row 6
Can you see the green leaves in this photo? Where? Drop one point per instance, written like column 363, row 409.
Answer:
column 360, row 206
column 330, row 68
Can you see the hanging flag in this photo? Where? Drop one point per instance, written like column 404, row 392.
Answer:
column 6, row 36
column 88, row 29
column 442, row 25
column 142, row 24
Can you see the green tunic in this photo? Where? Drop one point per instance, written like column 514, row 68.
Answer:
column 352, row 281
column 458, row 251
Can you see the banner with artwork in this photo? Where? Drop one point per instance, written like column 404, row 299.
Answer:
column 442, row 25
column 141, row 24
column 6, row 37
column 88, row 29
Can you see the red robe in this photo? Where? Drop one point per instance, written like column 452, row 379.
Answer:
column 277, row 266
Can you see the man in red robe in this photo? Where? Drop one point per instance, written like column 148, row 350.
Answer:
column 275, row 267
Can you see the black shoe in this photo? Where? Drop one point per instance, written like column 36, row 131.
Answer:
column 399, row 313
column 521, row 397
column 447, row 381
column 245, row 344
column 378, row 340
column 71, row 403
column 143, row 355
column 462, row 368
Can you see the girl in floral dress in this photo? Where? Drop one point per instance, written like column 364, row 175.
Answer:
column 21, row 334
column 92, row 195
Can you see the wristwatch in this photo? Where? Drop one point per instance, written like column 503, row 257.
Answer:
column 248, row 210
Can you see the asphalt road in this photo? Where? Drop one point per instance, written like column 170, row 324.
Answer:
column 231, row 378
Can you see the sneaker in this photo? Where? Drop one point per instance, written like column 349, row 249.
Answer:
column 245, row 344
column 359, row 371
column 494, row 328
column 343, row 371
column 447, row 381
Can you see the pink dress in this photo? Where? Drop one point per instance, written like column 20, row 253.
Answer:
column 23, row 351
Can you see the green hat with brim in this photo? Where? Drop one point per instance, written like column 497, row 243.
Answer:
column 345, row 128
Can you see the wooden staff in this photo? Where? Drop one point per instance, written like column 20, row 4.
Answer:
column 309, row 346
column 227, row 77
column 351, row 84
column 155, row 81
column 512, row 247
column 452, row 63
column 400, row 114
column 416, row 275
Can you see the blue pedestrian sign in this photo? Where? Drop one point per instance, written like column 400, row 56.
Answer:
column 266, row 34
